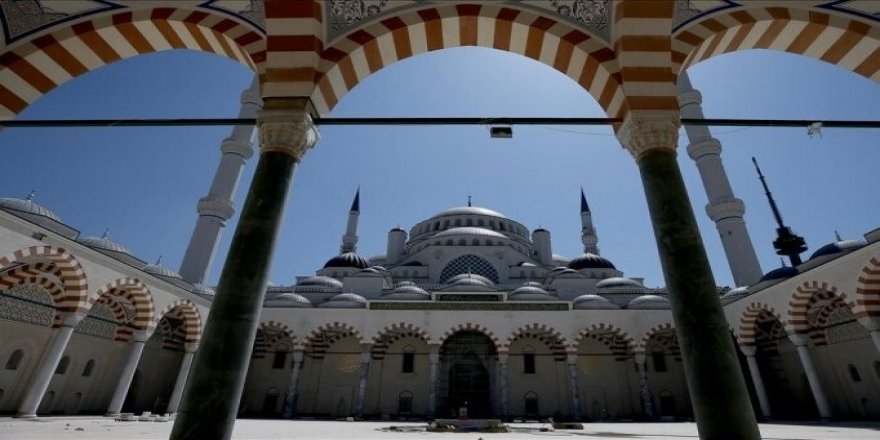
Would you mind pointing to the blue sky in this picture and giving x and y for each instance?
(143, 183)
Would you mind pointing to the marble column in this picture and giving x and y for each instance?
(182, 376)
(749, 351)
(434, 363)
(801, 341)
(366, 356)
(644, 392)
(503, 385)
(875, 336)
(210, 401)
(42, 374)
(710, 360)
(293, 386)
(571, 358)
(135, 349)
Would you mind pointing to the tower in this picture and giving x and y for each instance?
(217, 207)
(723, 208)
(588, 232)
(350, 239)
(787, 243)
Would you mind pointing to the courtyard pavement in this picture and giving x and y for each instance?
(62, 428)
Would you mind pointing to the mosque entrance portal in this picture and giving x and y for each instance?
(467, 361)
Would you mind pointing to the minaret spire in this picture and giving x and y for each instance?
(787, 242)
(350, 239)
(588, 232)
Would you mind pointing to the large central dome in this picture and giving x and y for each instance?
(469, 210)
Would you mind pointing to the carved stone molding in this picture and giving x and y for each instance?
(704, 147)
(639, 135)
(238, 147)
(287, 131)
(690, 97)
(216, 207)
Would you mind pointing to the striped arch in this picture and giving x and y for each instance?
(755, 314)
(63, 52)
(73, 279)
(133, 292)
(806, 298)
(393, 333)
(618, 341)
(467, 326)
(321, 338)
(544, 333)
(188, 313)
(850, 44)
(867, 306)
(367, 49)
(269, 335)
(45, 275)
(665, 335)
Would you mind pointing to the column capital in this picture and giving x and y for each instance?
(290, 131)
(502, 357)
(640, 134)
(366, 353)
(640, 358)
(748, 350)
(191, 347)
(141, 335)
(799, 339)
(298, 356)
(70, 319)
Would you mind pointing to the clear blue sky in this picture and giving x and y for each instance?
(143, 183)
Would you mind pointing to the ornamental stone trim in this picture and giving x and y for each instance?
(690, 97)
(238, 147)
(696, 150)
(287, 131)
(718, 210)
(216, 207)
(638, 134)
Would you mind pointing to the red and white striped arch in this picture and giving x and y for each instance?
(33, 67)
(842, 41)
(129, 291)
(618, 341)
(752, 316)
(185, 310)
(72, 277)
(45, 275)
(367, 49)
(867, 305)
(805, 298)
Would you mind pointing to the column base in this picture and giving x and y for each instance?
(25, 416)
(112, 414)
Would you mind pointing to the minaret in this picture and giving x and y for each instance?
(350, 239)
(787, 243)
(217, 207)
(723, 208)
(588, 232)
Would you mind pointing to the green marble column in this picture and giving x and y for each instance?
(212, 394)
(717, 388)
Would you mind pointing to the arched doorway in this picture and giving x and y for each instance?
(467, 362)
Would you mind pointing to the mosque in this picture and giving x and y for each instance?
(469, 311)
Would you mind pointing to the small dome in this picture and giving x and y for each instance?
(526, 264)
(837, 247)
(530, 291)
(470, 231)
(160, 270)
(734, 294)
(27, 206)
(379, 268)
(780, 273)
(560, 260)
(103, 243)
(649, 302)
(348, 259)
(404, 283)
(320, 281)
(407, 290)
(202, 289)
(289, 299)
(620, 285)
(370, 271)
(345, 301)
(590, 302)
(590, 261)
(470, 278)
(469, 210)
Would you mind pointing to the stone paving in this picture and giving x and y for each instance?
(63, 428)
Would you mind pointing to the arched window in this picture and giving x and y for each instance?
(458, 222)
(475, 242)
(87, 370)
(270, 401)
(469, 264)
(480, 222)
(62, 366)
(15, 359)
(659, 360)
(877, 369)
(470, 222)
(278, 360)
(528, 360)
(462, 242)
(531, 403)
(854, 373)
(409, 359)
(404, 403)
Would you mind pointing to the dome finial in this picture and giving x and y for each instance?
(158, 260)
(584, 206)
(837, 235)
(30, 196)
(782, 260)
(469, 200)
(106, 233)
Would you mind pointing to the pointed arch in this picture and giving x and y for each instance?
(271, 334)
(392, 333)
(544, 333)
(618, 341)
(72, 276)
(867, 303)
(127, 293)
(665, 335)
(190, 330)
(46, 276)
(810, 296)
(322, 337)
(755, 314)
(469, 326)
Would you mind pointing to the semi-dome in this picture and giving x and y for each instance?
(649, 302)
(320, 281)
(780, 273)
(837, 247)
(348, 259)
(289, 299)
(345, 301)
(469, 210)
(735, 294)
(469, 231)
(590, 261)
(592, 302)
(407, 290)
(202, 289)
(27, 206)
(530, 291)
(104, 243)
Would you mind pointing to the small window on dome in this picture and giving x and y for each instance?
(436, 226)
(458, 222)
(448, 242)
(501, 226)
(475, 242)
(469, 222)
(854, 374)
(480, 222)
(462, 242)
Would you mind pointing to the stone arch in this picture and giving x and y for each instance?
(46, 276)
(806, 298)
(618, 341)
(544, 333)
(365, 49)
(835, 39)
(269, 334)
(665, 335)
(393, 333)
(72, 276)
(754, 314)
(64, 49)
(188, 313)
(867, 304)
(322, 337)
(468, 326)
(128, 291)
